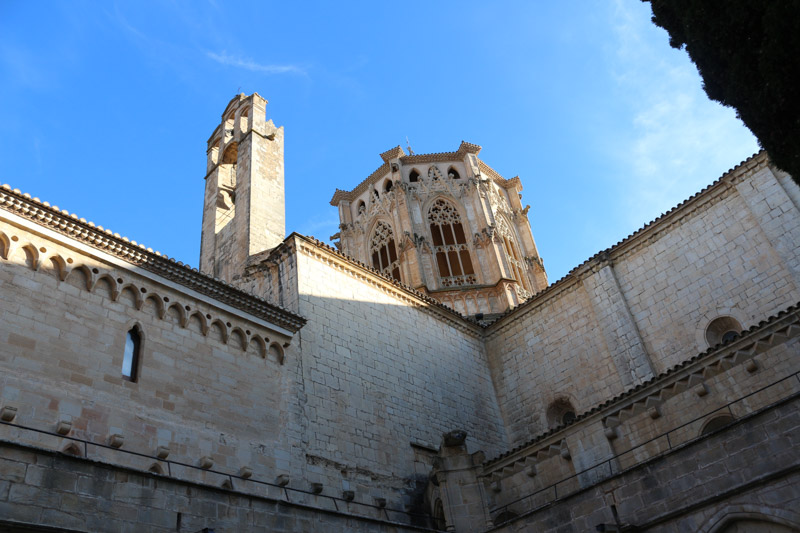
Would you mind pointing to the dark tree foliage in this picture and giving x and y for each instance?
(748, 54)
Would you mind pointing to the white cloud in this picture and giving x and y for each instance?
(248, 64)
(679, 140)
(320, 226)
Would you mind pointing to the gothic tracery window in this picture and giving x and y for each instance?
(450, 245)
(512, 253)
(383, 251)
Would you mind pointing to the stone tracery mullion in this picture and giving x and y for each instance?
(382, 249)
(516, 264)
(443, 215)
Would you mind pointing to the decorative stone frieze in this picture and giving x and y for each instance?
(81, 230)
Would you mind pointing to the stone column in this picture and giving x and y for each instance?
(617, 324)
(459, 488)
(776, 214)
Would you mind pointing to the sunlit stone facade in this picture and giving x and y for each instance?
(288, 385)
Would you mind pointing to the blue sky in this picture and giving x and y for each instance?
(107, 107)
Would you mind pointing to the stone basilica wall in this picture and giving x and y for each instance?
(211, 389)
(712, 440)
(745, 476)
(642, 306)
(352, 403)
(382, 375)
(355, 404)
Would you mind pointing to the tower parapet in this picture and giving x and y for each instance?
(446, 224)
(244, 210)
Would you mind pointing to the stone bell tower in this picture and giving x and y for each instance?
(446, 224)
(243, 210)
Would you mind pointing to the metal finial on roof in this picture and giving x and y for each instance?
(408, 145)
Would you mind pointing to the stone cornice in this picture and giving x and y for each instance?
(80, 230)
(648, 234)
(772, 332)
(440, 157)
(394, 153)
(497, 178)
(470, 288)
(340, 195)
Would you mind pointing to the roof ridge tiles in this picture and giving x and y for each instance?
(237, 297)
(663, 375)
(738, 169)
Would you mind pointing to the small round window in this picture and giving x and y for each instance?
(560, 412)
(722, 330)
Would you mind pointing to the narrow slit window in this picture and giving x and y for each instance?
(130, 361)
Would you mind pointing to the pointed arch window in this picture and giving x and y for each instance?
(514, 257)
(133, 349)
(383, 251)
(450, 245)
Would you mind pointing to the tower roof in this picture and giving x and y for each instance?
(438, 157)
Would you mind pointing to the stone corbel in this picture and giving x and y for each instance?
(422, 244)
(8, 413)
(521, 214)
(534, 261)
(486, 236)
(483, 188)
(407, 242)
